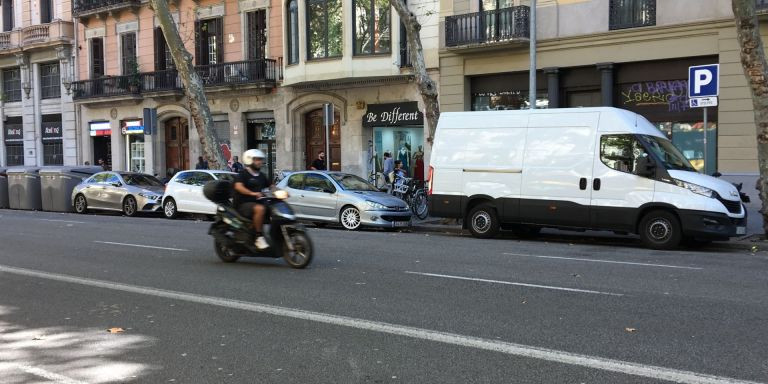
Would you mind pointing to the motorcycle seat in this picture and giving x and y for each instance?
(233, 212)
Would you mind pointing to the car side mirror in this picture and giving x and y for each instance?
(645, 166)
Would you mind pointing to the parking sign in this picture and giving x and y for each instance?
(703, 81)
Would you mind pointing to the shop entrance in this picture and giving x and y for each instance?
(315, 137)
(405, 144)
(102, 149)
(261, 135)
(177, 144)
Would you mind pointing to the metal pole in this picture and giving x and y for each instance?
(706, 171)
(532, 70)
(328, 121)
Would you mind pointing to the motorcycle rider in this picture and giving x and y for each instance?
(248, 186)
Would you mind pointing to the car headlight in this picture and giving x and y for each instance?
(695, 188)
(149, 195)
(374, 206)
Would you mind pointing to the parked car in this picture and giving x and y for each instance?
(184, 192)
(336, 197)
(585, 168)
(127, 192)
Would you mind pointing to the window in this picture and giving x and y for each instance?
(46, 11)
(631, 13)
(13, 128)
(292, 31)
(507, 100)
(98, 178)
(256, 24)
(130, 64)
(296, 181)
(163, 58)
(97, 57)
(209, 42)
(51, 132)
(669, 154)
(324, 28)
(372, 27)
(12, 84)
(53, 153)
(621, 152)
(8, 15)
(201, 178)
(14, 154)
(111, 178)
(318, 183)
(50, 81)
(183, 177)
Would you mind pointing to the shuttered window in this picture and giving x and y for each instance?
(209, 41)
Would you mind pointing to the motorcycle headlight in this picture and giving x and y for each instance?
(281, 194)
(149, 195)
(374, 206)
(695, 188)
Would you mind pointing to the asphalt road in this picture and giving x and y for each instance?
(374, 307)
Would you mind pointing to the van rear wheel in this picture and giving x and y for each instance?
(483, 221)
(661, 230)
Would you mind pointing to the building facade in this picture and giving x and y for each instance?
(631, 54)
(36, 71)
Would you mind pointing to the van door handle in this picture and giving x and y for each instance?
(596, 184)
(583, 183)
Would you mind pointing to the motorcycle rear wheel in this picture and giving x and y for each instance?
(301, 255)
(224, 253)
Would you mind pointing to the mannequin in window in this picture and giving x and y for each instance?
(404, 157)
(418, 165)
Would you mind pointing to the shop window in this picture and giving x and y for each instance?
(507, 100)
(405, 144)
(8, 15)
(292, 31)
(130, 65)
(324, 28)
(209, 41)
(136, 153)
(14, 154)
(51, 132)
(50, 81)
(97, 57)
(631, 13)
(372, 26)
(12, 85)
(13, 130)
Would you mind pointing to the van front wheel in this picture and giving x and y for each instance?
(483, 221)
(660, 230)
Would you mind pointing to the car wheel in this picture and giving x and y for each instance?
(483, 221)
(81, 205)
(130, 206)
(169, 208)
(660, 230)
(350, 218)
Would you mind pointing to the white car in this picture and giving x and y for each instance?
(184, 193)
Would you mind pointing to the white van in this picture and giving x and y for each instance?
(585, 168)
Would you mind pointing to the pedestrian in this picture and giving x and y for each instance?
(201, 163)
(319, 163)
(237, 166)
(103, 164)
(389, 166)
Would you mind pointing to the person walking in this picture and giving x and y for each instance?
(237, 166)
(201, 163)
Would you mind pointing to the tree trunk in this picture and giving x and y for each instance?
(754, 64)
(193, 86)
(427, 86)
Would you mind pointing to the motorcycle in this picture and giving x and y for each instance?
(234, 236)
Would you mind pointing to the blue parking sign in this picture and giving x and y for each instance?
(703, 80)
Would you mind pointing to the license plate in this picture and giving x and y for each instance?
(741, 230)
(402, 223)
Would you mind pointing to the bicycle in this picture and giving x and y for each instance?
(414, 195)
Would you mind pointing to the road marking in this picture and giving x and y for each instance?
(516, 284)
(142, 246)
(593, 362)
(65, 221)
(39, 372)
(603, 261)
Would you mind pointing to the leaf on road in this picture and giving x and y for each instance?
(115, 330)
(630, 330)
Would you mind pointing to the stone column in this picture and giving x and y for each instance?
(606, 83)
(553, 86)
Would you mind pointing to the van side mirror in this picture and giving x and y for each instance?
(645, 166)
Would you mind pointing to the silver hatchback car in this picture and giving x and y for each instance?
(128, 192)
(335, 197)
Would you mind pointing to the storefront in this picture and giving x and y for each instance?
(52, 137)
(398, 129)
(261, 134)
(101, 138)
(505, 91)
(134, 144)
(14, 141)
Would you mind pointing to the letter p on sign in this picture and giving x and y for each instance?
(703, 81)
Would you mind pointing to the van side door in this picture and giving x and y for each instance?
(617, 190)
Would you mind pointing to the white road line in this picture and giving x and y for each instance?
(39, 372)
(516, 284)
(65, 221)
(142, 246)
(603, 261)
(593, 362)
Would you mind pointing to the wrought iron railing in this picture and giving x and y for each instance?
(631, 14)
(106, 87)
(159, 81)
(239, 72)
(81, 7)
(505, 24)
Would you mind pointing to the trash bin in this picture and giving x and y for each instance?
(24, 188)
(57, 183)
(3, 189)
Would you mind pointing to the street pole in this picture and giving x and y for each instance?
(706, 171)
(532, 70)
(328, 122)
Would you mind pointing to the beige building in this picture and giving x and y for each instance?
(632, 54)
(36, 111)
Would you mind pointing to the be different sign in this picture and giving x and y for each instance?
(393, 114)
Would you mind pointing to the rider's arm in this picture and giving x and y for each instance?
(241, 189)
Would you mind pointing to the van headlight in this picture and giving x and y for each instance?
(695, 188)
(374, 206)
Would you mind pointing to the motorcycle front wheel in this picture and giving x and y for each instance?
(301, 255)
(224, 253)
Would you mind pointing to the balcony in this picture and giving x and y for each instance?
(262, 73)
(84, 8)
(495, 27)
(5, 40)
(35, 36)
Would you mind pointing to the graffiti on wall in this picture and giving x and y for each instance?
(670, 93)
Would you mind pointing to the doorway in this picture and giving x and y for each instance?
(102, 149)
(315, 138)
(177, 144)
(261, 135)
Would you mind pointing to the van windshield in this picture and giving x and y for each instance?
(669, 154)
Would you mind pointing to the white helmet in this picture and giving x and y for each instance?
(251, 154)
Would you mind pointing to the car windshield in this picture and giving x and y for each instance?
(353, 183)
(142, 180)
(668, 153)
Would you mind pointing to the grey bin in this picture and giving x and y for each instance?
(3, 189)
(57, 183)
(24, 188)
